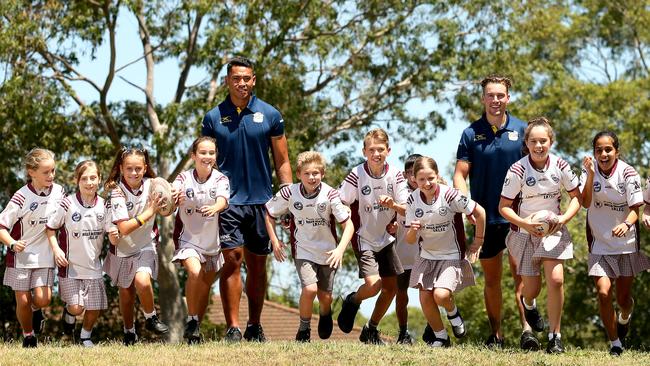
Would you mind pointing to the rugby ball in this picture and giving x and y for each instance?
(159, 187)
(547, 219)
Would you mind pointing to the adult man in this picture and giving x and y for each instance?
(246, 128)
(486, 150)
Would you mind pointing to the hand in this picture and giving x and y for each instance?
(620, 230)
(588, 164)
(209, 210)
(386, 201)
(155, 202)
(278, 251)
(392, 227)
(532, 229)
(646, 221)
(285, 221)
(415, 225)
(335, 257)
(179, 196)
(59, 257)
(474, 249)
(114, 236)
(19, 246)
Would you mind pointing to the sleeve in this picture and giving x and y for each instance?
(55, 221)
(10, 215)
(633, 193)
(179, 181)
(278, 205)
(277, 124)
(348, 190)
(108, 224)
(401, 189)
(513, 182)
(410, 211)
(646, 192)
(207, 128)
(119, 212)
(459, 202)
(223, 187)
(464, 151)
(569, 178)
(340, 211)
(583, 180)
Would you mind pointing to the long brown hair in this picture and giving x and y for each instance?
(537, 122)
(114, 176)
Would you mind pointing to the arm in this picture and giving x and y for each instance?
(621, 229)
(388, 201)
(211, 210)
(59, 256)
(412, 232)
(505, 209)
(461, 173)
(646, 216)
(126, 227)
(479, 234)
(18, 245)
(281, 161)
(335, 256)
(278, 246)
(572, 210)
(588, 188)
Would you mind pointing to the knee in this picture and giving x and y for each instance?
(194, 274)
(604, 294)
(493, 282)
(310, 291)
(374, 285)
(41, 301)
(75, 309)
(233, 258)
(325, 297)
(555, 282)
(441, 295)
(389, 289)
(142, 284)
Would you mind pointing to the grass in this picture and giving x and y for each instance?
(284, 353)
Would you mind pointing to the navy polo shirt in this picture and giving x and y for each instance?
(243, 143)
(490, 156)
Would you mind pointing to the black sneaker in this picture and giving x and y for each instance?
(130, 339)
(428, 336)
(528, 341)
(404, 337)
(555, 345)
(30, 341)
(623, 329)
(325, 325)
(154, 324)
(38, 321)
(68, 328)
(459, 330)
(616, 351)
(303, 335)
(533, 318)
(233, 335)
(494, 342)
(348, 313)
(370, 336)
(440, 342)
(192, 332)
(254, 333)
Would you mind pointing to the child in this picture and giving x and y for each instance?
(611, 191)
(314, 206)
(535, 182)
(375, 192)
(81, 220)
(434, 222)
(407, 254)
(204, 192)
(132, 262)
(30, 264)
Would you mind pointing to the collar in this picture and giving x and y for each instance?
(251, 106)
(82, 202)
(436, 193)
(196, 176)
(607, 176)
(367, 169)
(532, 165)
(136, 192)
(505, 127)
(40, 192)
(303, 191)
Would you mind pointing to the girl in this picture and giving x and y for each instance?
(535, 182)
(203, 192)
(132, 262)
(314, 206)
(29, 259)
(434, 222)
(611, 191)
(81, 220)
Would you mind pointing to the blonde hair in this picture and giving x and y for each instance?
(310, 157)
(34, 158)
(81, 168)
(537, 122)
(378, 135)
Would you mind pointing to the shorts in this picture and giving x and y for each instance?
(452, 274)
(243, 225)
(403, 280)
(384, 263)
(617, 265)
(310, 273)
(209, 263)
(495, 240)
(529, 251)
(122, 270)
(90, 293)
(25, 279)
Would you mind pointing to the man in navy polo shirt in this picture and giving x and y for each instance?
(487, 148)
(246, 128)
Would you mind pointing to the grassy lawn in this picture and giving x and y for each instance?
(316, 353)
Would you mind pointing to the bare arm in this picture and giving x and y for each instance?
(335, 257)
(412, 232)
(280, 152)
(460, 175)
(5, 237)
(278, 246)
(505, 209)
(588, 188)
(59, 256)
(479, 234)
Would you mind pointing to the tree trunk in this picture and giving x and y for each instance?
(170, 297)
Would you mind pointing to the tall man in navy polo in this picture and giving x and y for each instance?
(487, 148)
(246, 128)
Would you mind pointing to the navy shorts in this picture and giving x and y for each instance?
(495, 240)
(244, 226)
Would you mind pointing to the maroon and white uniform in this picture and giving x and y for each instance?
(361, 191)
(312, 217)
(406, 252)
(646, 192)
(125, 205)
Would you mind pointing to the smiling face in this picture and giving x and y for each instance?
(538, 143)
(43, 176)
(426, 179)
(205, 157)
(240, 81)
(132, 170)
(605, 153)
(310, 174)
(88, 182)
(495, 99)
(376, 153)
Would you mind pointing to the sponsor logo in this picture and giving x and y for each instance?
(213, 193)
(506, 182)
(322, 207)
(636, 186)
(368, 208)
(300, 222)
(419, 212)
(530, 181)
(76, 217)
(597, 187)
(555, 178)
(463, 200)
(297, 205)
(189, 193)
(225, 237)
(389, 188)
(116, 206)
(33, 206)
(32, 222)
(275, 198)
(598, 204)
(226, 119)
(480, 137)
(366, 190)
(443, 211)
(513, 135)
(129, 205)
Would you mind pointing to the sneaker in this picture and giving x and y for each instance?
(428, 336)
(348, 313)
(533, 318)
(303, 335)
(623, 329)
(404, 337)
(440, 342)
(68, 328)
(615, 351)
(528, 341)
(30, 341)
(459, 330)
(38, 321)
(254, 333)
(494, 342)
(154, 324)
(192, 332)
(555, 345)
(370, 336)
(233, 335)
(130, 339)
(86, 342)
(325, 325)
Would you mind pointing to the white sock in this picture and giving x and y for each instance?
(616, 343)
(623, 321)
(457, 320)
(85, 334)
(132, 330)
(530, 307)
(442, 334)
(557, 335)
(149, 315)
(69, 318)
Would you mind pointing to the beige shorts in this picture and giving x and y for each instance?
(310, 273)
(384, 263)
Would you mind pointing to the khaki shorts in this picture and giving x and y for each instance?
(310, 273)
(384, 263)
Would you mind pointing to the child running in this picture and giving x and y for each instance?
(30, 263)
(611, 192)
(204, 192)
(132, 263)
(314, 206)
(375, 192)
(434, 221)
(532, 184)
(81, 220)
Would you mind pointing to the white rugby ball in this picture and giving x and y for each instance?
(159, 187)
(547, 219)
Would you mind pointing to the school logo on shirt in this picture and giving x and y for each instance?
(76, 217)
(598, 204)
(366, 190)
(513, 135)
(463, 200)
(188, 211)
(129, 205)
(530, 181)
(258, 117)
(213, 193)
(100, 217)
(555, 178)
(419, 212)
(189, 193)
(389, 188)
(621, 187)
(76, 234)
(33, 206)
(297, 205)
(322, 207)
(597, 187)
(443, 211)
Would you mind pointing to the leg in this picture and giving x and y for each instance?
(90, 318)
(75, 309)
(192, 286)
(624, 295)
(206, 281)
(430, 310)
(388, 290)
(42, 296)
(371, 287)
(127, 301)
(532, 285)
(554, 273)
(255, 285)
(143, 288)
(605, 305)
(325, 302)
(24, 310)
(401, 307)
(492, 294)
(307, 297)
(230, 285)
(519, 285)
(442, 297)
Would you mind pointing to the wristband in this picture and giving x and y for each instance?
(629, 224)
(11, 246)
(139, 220)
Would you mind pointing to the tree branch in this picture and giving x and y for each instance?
(189, 61)
(145, 38)
(103, 94)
